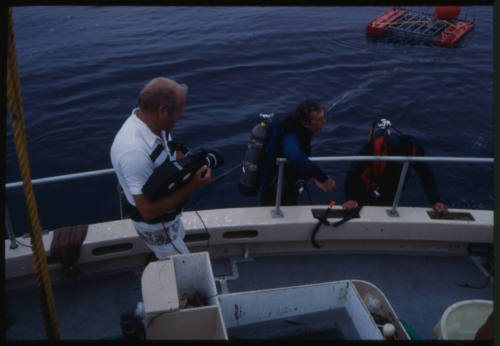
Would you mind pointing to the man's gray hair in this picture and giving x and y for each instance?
(160, 92)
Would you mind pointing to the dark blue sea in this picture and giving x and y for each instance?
(81, 69)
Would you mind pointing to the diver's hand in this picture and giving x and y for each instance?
(328, 185)
(440, 208)
(201, 177)
(349, 205)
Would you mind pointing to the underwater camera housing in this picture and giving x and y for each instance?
(171, 175)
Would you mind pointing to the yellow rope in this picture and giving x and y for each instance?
(14, 101)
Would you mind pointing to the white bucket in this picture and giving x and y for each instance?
(462, 320)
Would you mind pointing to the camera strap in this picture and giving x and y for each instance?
(154, 155)
(135, 215)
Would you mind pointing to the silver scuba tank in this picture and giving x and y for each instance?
(250, 171)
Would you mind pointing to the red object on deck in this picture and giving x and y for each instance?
(377, 27)
(453, 34)
(447, 12)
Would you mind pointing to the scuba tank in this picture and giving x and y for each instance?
(250, 172)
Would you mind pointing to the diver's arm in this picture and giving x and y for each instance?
(299, 159)
(328, 185)
(426, 176)
(353, 189)
(428, 181)
(153, 209)
(429, 185)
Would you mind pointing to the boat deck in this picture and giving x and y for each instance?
(418, 287)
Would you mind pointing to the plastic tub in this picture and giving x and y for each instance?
(462, 320)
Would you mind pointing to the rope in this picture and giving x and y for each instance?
(14, 101)
(205, 227)
(219, 177)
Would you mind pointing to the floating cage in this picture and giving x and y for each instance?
(409, 26)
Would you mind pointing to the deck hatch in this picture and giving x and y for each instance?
(332, 213)
(451, 216)
(240, 234)
(106, 250)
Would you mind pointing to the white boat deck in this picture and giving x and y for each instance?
(418, 288)
(417, 267)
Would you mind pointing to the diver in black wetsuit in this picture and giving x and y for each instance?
(294, 143)
(376, 182)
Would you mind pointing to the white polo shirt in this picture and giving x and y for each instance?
(130, 154)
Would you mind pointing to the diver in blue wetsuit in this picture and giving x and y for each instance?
(294, 143)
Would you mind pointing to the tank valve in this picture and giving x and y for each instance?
(267, 117)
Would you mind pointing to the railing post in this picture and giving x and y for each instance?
(277, 212)
(393, 211)
(10, 229)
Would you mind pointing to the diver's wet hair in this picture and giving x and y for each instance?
(304, 110)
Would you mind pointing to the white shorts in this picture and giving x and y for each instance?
(164, 239)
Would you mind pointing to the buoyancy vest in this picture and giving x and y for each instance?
(132, 210)
(372, 175)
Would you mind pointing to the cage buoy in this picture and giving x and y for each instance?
(447, 12)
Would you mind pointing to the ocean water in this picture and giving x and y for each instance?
(81, 69)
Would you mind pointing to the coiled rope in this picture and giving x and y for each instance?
(14, 101)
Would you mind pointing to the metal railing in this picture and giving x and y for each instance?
(8, 224)
(277, 212)
(62, 178)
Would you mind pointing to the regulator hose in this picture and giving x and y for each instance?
(322, 220)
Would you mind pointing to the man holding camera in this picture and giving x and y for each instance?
(144, 143)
